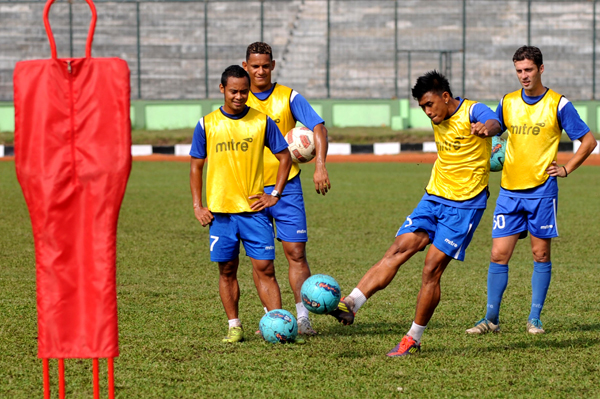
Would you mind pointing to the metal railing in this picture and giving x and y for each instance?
(177, 49)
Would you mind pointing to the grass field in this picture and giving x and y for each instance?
(171, 318)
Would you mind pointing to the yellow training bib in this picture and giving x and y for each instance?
(533, 137)
(234, 152)
(277, 106)
(462, 169)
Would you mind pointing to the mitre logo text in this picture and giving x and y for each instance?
(233, 145)
(527, 129)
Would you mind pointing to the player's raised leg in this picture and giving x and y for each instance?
(229, 291)
(299, 271)
(381, 274)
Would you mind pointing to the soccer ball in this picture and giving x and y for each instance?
(320, 293)
(278, 326)
(301, 143)
(498, 154)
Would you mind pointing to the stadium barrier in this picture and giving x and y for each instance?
(398, 114)
(334, 149)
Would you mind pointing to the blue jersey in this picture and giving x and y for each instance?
(301, 109)
(569, 121)
(273, 138)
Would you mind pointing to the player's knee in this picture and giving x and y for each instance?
(500, 256)
(540, 255)
(432, 272)
(228, 269)
(296, 254)
(264, 268)
(410, 243)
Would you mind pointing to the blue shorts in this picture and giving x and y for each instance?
(290, 218)
(449, 228)
(253, 229)
(515, 215)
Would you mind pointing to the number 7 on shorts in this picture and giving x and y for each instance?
(212, 244)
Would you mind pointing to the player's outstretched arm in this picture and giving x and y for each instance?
(588, 143)
(488, 129)
(268, 200)
(321, 177)
(203, 215)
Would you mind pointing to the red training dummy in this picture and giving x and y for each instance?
(73, 158)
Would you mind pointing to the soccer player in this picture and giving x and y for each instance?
(534, 117)
(448, 213)
(285, 106)
(232, 138)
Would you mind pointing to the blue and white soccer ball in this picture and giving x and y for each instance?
(498, 154)
(321, 293)
(278, 326)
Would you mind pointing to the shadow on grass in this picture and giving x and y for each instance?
(359, 329)
(587, 327)
(533, 342)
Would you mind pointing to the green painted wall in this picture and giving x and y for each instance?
(345, 115)
(418, 119)
(172, 116)
(398, 114)
(7, 117)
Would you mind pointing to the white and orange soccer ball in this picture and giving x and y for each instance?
(301, 143)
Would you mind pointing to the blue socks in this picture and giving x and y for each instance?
(540, 281)
(496, 284)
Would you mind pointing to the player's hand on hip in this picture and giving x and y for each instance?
(263, 201)
(321, 180)
(478, 129)
(555, 170)
(204, 216)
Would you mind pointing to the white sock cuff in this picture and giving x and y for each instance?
(416, 331)
(301, 310)
(235, 323)
(359, 299)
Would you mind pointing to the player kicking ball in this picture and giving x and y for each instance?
(233, 139)
(448, 213)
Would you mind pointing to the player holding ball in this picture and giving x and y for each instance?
(286, 106)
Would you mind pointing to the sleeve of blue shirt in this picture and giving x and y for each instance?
(199, 141)
(571, 122)
(482, 113)
(303, 112)
(274, 140)
(500, 117)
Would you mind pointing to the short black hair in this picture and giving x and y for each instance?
(432, 81)
(234, 71)
(259, 48)
(531, 53)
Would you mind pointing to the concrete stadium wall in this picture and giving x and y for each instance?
(397, 114)
(335, 49)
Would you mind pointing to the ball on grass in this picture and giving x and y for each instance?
(278, 326)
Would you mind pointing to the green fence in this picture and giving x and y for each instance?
(324, 48)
